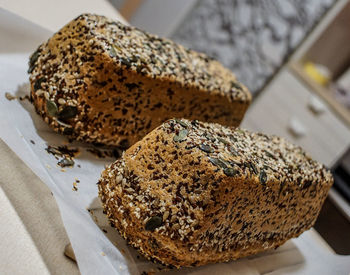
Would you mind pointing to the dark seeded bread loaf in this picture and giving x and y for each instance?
(191, 193)
(99, 81)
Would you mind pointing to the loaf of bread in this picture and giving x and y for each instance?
(100, 81)
(191, 193)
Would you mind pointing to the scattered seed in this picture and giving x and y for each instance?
(32, 142)
(66, 162)
(10, 96)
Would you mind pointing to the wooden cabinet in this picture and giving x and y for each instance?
(286, 100)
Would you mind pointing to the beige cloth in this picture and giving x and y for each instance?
(32, 235)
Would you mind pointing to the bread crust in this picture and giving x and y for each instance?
(100, 81)
(211, 195)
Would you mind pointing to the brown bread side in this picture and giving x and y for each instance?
(191, 193)
(100, 81)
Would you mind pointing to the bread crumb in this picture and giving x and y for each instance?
(10, 96)
(75, 186)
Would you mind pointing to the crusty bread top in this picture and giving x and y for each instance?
(239, 152)
(143, 53)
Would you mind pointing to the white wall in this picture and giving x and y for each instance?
(161, 16)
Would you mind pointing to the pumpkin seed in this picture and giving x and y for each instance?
(66, 162)
(112, 52)
(217, 162)
(33, 58)
(230, 172)
(252, 167)
(181, 135)
(68, 112)
(37, 84)
(206, 148)
(153, 223)
(51, 108)
(183, 124)
(263, 177)
(68, 131)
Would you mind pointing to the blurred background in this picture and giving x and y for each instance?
(294, 56)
